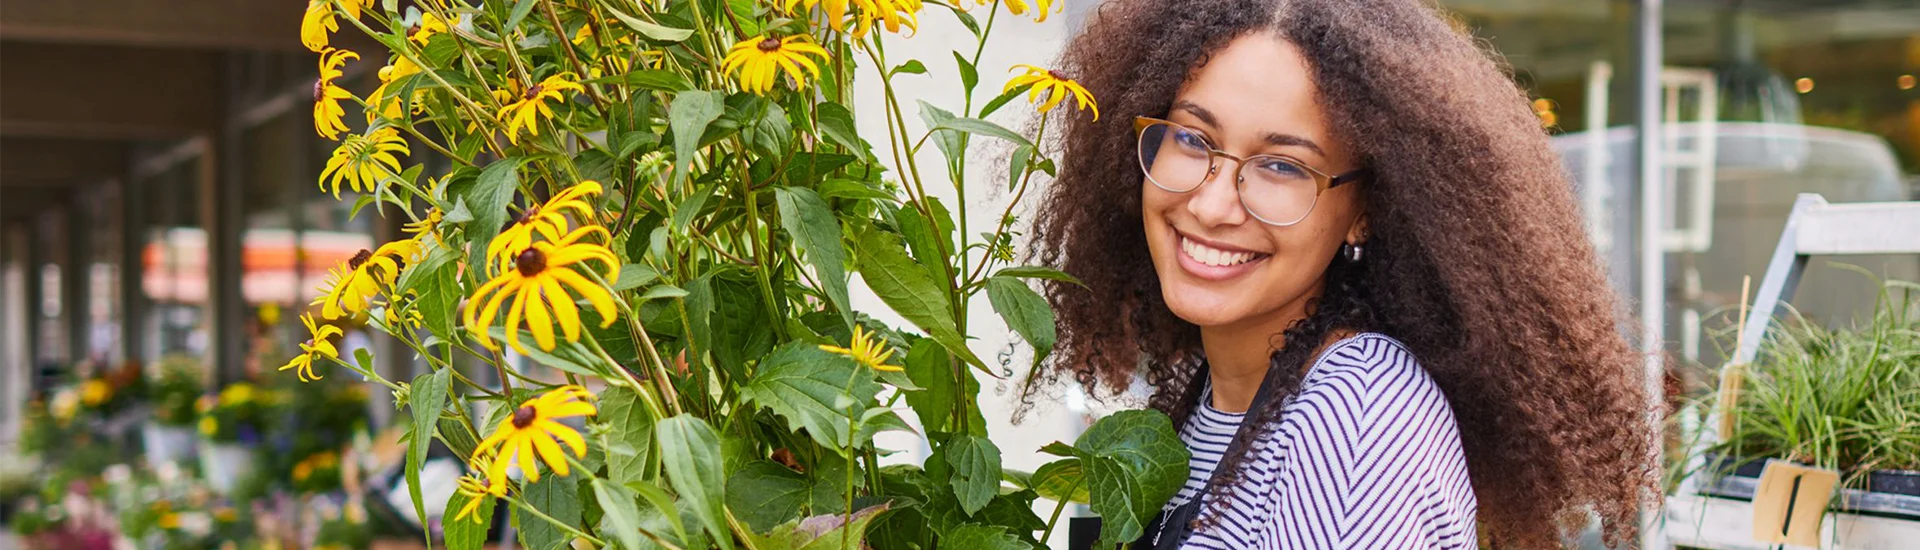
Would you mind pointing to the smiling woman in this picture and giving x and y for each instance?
(1351, 268)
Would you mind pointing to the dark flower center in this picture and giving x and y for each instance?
(769, 45)
(530, 262)
(523, 416)
(1056, 75)
(359, 259)
(532, 91)
(413, 30)
(319, 89)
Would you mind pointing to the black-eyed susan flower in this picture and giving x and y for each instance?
(319, 344)
(387, 101)
(549, 220)
(537, 285)
(892, 14)
(428, 227)
(1019, 7)
(362, 160)
(95, 392)
(318, 23)
(350, 288)
(531, 434)
(757, 62)
(531, 106)
(1055, 86)
(477, 493)
(327, 112)
(866, 350)
(430, 25)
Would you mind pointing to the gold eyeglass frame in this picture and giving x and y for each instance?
(1322, 181)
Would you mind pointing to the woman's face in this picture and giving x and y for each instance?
(1218, 265)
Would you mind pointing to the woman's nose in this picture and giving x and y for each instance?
(1217, 201)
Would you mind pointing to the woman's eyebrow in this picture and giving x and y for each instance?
(1272, 138)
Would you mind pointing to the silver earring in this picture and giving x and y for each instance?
(1352, 252)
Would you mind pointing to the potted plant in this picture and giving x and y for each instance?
(231, 424)
(1846, 399)
(664, 204)
(169, 435)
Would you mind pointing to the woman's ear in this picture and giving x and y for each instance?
(1357, 232)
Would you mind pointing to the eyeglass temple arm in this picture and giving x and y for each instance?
(1343, 179)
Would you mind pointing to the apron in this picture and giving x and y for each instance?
(1170, 528)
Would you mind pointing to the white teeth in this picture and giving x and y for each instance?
(1213, 256)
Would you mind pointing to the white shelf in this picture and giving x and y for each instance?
(1727, 524)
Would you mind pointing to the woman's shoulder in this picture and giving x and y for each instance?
(1371, 357)
(1374, 377)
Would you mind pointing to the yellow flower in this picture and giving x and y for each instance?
(65, 405)
(350, 290)
(760, 59)
(866, 351)
(302, 471)
(1055, 85)
(1019, 7)
(169, 521)
(891, 13)
(549, 220)
(532, 105)
(316, 24)
(530, 435)
(327, 111)
(400, 312)
(538, 281)
(363, 159)
(95, 391)
(477, 493)
(238, 394)
(389, 103)
(226, 514)
(208, 426)
(428, 226)
(319, 343)
(430, 25)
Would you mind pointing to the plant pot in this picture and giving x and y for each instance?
(1899, 482)
(1725, 465)
(168, 443)
(225, 465)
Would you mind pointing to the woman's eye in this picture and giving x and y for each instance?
(1189, 139)
(1281, 169)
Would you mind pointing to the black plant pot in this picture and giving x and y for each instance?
(1719, 464)
(1899, 482)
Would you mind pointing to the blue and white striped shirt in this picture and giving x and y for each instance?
(1366, 455)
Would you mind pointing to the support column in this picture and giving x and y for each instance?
(36, 255)
(76, 276)
(220, 173)
(1652, 268)
(133, 267)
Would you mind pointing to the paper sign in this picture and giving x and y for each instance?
(1790, 501)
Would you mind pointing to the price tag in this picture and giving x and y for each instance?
(1790, 501)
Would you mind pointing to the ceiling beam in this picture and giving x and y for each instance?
(107, 92)
(209, 24)
(24, 161)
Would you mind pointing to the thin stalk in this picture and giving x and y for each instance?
(1058, 506)
(566, 44)
(522, 505)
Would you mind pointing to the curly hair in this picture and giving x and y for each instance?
(1476, 257)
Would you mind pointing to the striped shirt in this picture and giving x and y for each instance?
(1366, 455)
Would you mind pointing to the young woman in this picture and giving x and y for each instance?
(1334, 237)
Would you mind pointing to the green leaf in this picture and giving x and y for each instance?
(1064, 479)
(566, 356)
(772, 133)
(650, 30)
(823, 532)
(617, 503)
(458, 436)
(912, 66)
(629, 434)
(836, 124)
(813, 390)
(850, 189)
(976, 470)
(1025, 312)
(930, 239)
(974, 536)
(953, 145)
(926, 366)
(662, 503)
(469, 533)
(519, 13)
(985, 128)
(969, 77)
(488, 199)
(1134, 462)
(659, 292)
(438, 297)
(652, 79)
(817, 233)
(689, 208)
(1002, 99)
(634, 276)
(690, 451)
(689, 116)
(460, 213)
(765, 494)
(1035, 272)
(426, 397)
(909, 291)
(558, 497)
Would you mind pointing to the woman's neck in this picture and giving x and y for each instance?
(1238, 355)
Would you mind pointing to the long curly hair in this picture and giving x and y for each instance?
(1476, 257)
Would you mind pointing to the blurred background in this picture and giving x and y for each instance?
(159, 215)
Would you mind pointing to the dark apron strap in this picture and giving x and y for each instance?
(1170, 528)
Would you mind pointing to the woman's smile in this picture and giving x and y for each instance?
(1215, 261)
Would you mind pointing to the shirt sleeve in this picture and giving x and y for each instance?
(1376, 460)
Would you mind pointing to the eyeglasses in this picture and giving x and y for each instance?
(1275, 189)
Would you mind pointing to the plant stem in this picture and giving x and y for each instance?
(1058, 506)
(556, 523)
